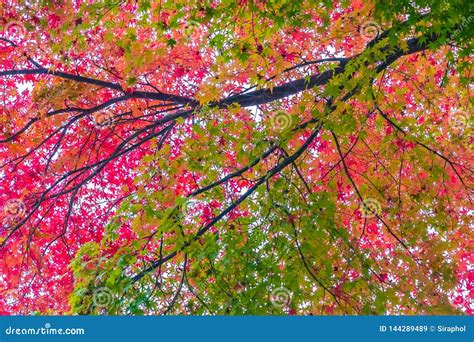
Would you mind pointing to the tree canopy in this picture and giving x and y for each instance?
(236, 157)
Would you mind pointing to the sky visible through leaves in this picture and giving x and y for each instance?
(236, 157)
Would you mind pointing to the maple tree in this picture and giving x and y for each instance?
(236, 157)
